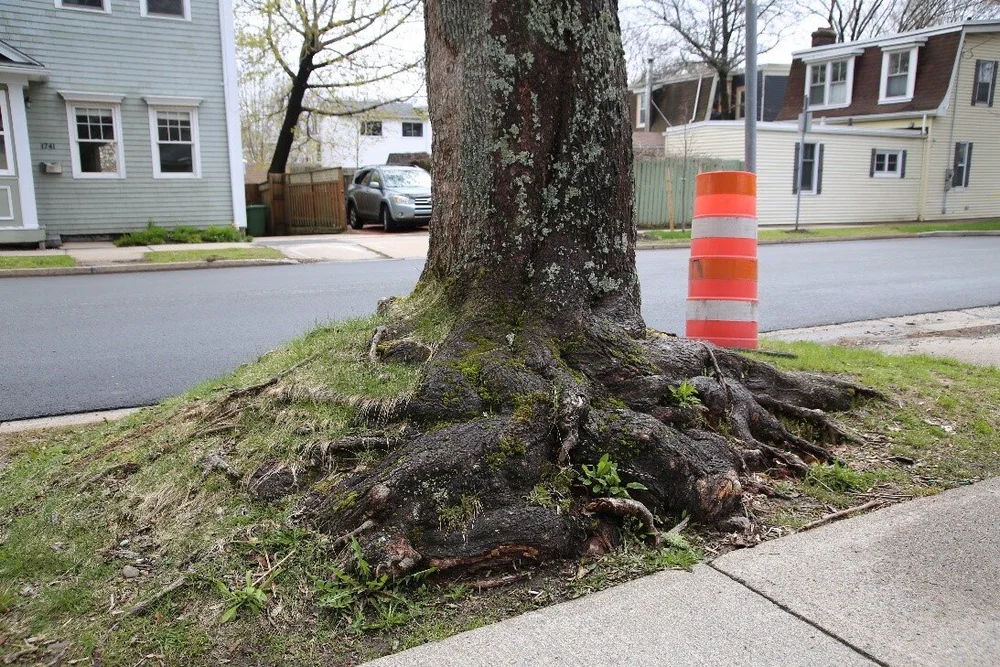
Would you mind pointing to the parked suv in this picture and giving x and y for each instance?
(390, 195)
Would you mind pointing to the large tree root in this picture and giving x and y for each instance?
(499, 427)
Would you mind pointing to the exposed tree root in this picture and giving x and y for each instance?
(482, 477)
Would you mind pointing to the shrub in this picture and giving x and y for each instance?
(219, 234)
(152, 235)
(184, 235)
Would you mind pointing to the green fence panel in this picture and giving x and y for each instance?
(664, 189)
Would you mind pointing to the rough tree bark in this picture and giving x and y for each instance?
(548, 363)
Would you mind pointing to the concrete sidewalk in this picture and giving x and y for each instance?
(913, 584)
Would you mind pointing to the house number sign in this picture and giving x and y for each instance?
(48, 147)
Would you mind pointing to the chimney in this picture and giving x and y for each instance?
(824, 36)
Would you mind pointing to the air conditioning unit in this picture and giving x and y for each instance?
(51, 167)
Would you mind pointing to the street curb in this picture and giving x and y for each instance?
(142, 268)
(663, 245)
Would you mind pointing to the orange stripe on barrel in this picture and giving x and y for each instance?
(727, 205)
(727, 247)
(722, 268)
(726, 183)
(713, 330)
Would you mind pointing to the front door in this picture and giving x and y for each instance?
(10, 209)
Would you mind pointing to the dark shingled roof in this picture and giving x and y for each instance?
(935, 61)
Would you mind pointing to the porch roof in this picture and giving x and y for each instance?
(13, 61)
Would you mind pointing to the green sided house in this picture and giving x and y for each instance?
(115, 113)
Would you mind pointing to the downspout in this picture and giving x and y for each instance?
(649, 94)
(927, 131)
(697, 97)
(953, 104)
(711, 96)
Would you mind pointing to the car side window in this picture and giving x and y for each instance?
(364, 177)
(376, 178)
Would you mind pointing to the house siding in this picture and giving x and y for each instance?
(344, 146)
(123, 53)
(848, 195)
(977, 124)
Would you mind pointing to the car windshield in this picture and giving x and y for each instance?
(401, 178)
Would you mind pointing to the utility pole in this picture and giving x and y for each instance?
(750, 89)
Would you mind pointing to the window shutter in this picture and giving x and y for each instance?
(902, 164)
(819, 169)
(871, 167)
(955, 182)
(968, 164)
(993, 85)
(975, 81)
(795, 170)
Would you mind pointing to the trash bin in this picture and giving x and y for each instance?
(256, 219)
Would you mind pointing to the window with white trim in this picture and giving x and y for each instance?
(176, 151)
(641, 110)
(887, 164)
(171, 9)
(95, 135)
(88, 5)
(962, 165)
(830, 83)
(899, 70)
(985, 82)
(413, 129)
(811, 179)
(6, 149)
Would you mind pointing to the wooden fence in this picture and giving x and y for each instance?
(664, 189)
(310, 202)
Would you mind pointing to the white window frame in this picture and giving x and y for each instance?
(10, 202)
(965, 166)
(911, 76)
(144, 12)
(106, 7)
(828, 65)
(100, 101)
(184, 105)
(7, 136)
(815, 166)
(364, 124)
(995, 64)
(898, 173)
(641, 109)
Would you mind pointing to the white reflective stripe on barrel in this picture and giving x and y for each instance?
(727, 310)
(737, 228)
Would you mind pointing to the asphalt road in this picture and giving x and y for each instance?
(77, 343)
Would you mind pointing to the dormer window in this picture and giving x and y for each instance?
(830, 84)
(898, 76)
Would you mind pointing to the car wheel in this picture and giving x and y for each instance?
(385, 217)
(352, 217)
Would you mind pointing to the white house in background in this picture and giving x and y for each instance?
(904, 128)
(370, 136)
(117, 112)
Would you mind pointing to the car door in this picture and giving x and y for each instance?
(374, 193)
(366, 195)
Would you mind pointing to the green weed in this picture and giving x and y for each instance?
(603, 479)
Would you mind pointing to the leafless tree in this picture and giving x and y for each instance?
(858, 19)
(326, 48)
(708, 32)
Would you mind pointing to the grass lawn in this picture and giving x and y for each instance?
(79, 505)
(870, 231)
(36, 262)
(255, 252)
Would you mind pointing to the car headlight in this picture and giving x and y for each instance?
(402, 199)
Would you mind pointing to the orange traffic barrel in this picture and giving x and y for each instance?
(722, 273)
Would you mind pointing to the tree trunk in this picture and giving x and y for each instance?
(293, 110)
(529, 311)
